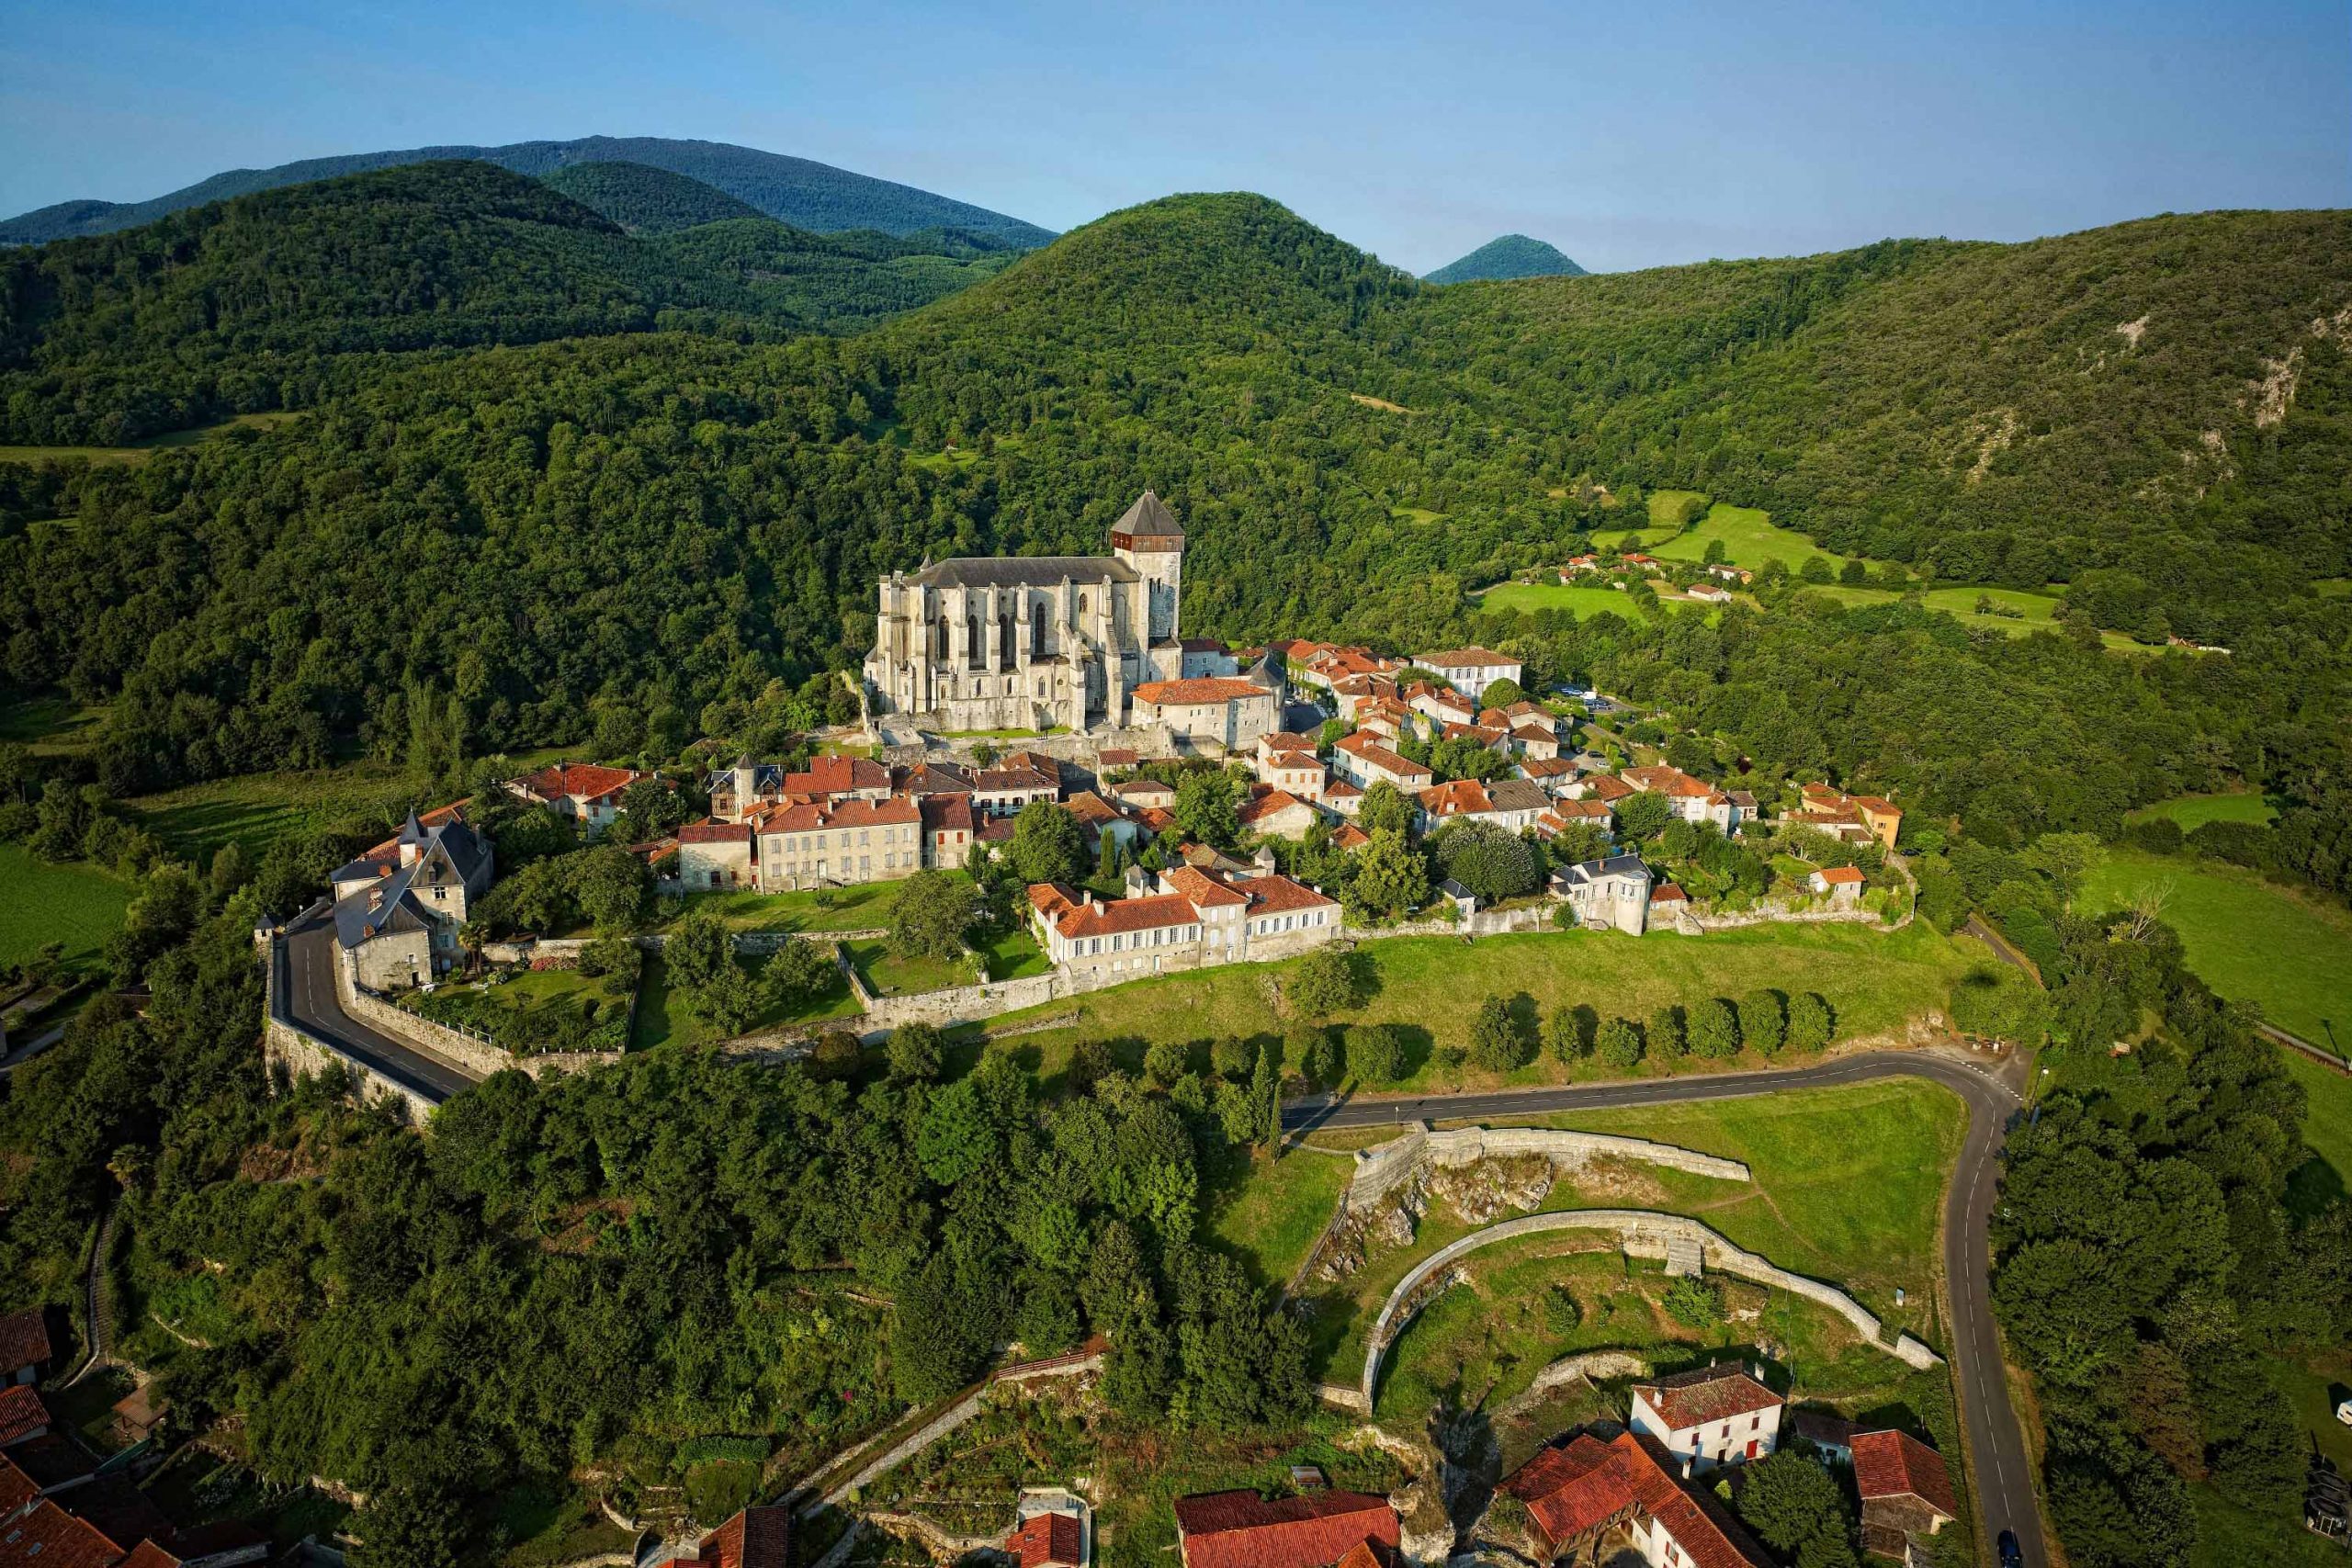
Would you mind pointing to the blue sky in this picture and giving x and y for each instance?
(1629, 133)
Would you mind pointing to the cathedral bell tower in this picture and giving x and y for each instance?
(1149, 539)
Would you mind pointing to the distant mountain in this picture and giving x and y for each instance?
(274, 299)
(1514, 256)
(815, 196)
(647, 200)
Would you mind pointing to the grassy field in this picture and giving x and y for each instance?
(2248, 939)
(1014, 955)
(1845, 1186)
(888, 973)
(2036, 612)
(2193, 811)
(547, 1010)
(862, 907)
(1875, 981)
(40, 903)
(50, 723)
(139, 451)
(2231, 1537)
(1268, 1212)
(2327, 1126)
(1526, 598)
(1749, 539)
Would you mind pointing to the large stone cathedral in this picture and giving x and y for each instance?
(1028, 642)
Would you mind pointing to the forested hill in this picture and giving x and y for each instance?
(807, 194)
(290, 297)
(1512, 255)
(644, 199)
(628, 539)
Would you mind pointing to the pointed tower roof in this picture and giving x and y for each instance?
(1147, 515)
(412, 830)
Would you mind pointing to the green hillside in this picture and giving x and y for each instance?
(643, 199)
(1512, 255)
(274, 300)
(805, 195)
(607, 538)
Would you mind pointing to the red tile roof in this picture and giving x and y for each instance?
(21, 1413)
(147, 1554)
(1260, 806)
(24, 1339)
(804, 816)
(48, 1537)
(1350, 837)
(1463, 658)
(1574, 1490)
(1485, 734)
(1241, 1529)
(947, 813)
(1547, 767)
(1838, 875)
(756, 1538)
(714, 833)
(1046, 1539)
(1277, 895)
(1600, 786)
(1204, 890)
(17, 1489)
(1668, 893)
(1200, 689)
(1709, 1394)
(1117, 757)
(1092, 810)
(1593, 809)
(1158, 910)
(1368, 747)
(1015, 778)
(577, 781)
(837, 775)
(1665, 781)
(1461, 797)
(1896, 1464)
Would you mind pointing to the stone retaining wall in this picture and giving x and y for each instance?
(948, 1420)
(472, 1056)
(302, 1052)
(1642, 1233)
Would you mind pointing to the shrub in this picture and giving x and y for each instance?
(1810, 1024)
(1163, 1063)
(835, 1055)
(1567, 1033)
(1326, 981)
(1561, 1313)
(1665, 1033)
(915, 1052)
(1496, 1041)
(1693, 1303)
(1617, 1043)
(2157, 835)
(1232, 1058)
(1376, 1053)
(1762, 1022)
(1713, 1029)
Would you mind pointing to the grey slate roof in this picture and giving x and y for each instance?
(1518, 794)
(1149, 515)
(1615, 865)
(397, 910)
(1023, 572)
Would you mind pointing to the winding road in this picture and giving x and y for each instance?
(2004, 1469)
(303, 993)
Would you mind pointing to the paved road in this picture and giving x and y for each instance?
(2004, 1496)
(306, 995)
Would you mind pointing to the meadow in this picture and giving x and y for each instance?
(140, 451)
(1749, 538)
(2193, 811)
(2249, 938)
(75, 904)
(1528, 598)
(1875, 981)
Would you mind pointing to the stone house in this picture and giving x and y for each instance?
(1288, 762)
(1340, 797)
(1858, 818)
(1709, 593)
(1097, 817)
(754, 1538)
(1470, 670)
(1583, 1492)
(948, 832)
(397, 917)
(590, 795)
(1564, 814)
(1456, 801)
(1529, 738)
(1711, 1416)
(738, 790)
(1493, 738)
(1003, 791)
(1555, 775)
(1905, 1491)
(1363, 761)
(1613, 893)
(828, 779)
(1692, 799)
(1518, 804)
(1196, 917)
(1441, 704)
(806, 844)
(1146, 794)
(1843, 883)
(715, 856)
(1226, 712)
(1276, 814)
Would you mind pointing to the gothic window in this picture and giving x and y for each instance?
(1005, 645)
(1081, 606)
(973, 651)
(1037, 637)
(941, 650)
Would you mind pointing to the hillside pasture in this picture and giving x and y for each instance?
(1749, 538)
(77, 905)
(2193, 811)
(2250, 939)
(1528, 598)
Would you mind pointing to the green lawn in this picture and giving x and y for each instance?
(49, 724)
(40, 903)
(1268, 1212)
(2231, 1537)
(862, 907)
(2327, 1125)
(2248, 939)
(1875, 981)
(546, 1010)
(1750, 538)
(2193, 811)
(1526, 598)
(662, 1018)
(888, 973)
(1014, 955)
(2036, 610)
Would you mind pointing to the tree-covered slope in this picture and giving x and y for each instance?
(281, 298)
(798, 191)
(646, 200)
(575, 535)
(1511, 255)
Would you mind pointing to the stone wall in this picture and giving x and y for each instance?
(1642, 1233)
(960, 1004)
(299, 1051)
(948, 1420)
(1485, 922)
(475, 1057)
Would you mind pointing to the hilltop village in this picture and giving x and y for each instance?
(1240, 804)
